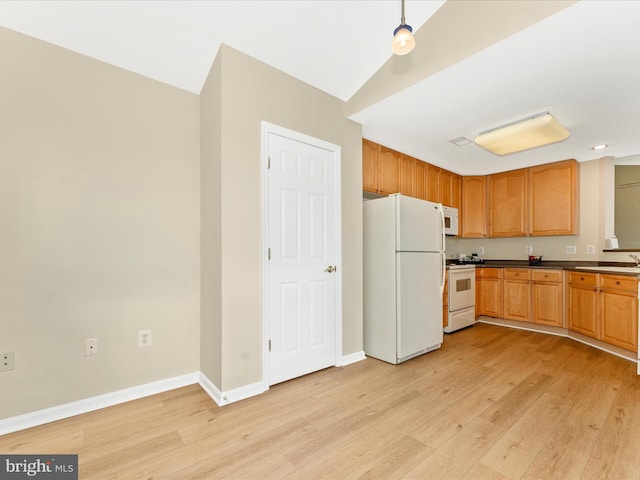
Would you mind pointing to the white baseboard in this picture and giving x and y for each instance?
(230, 396)
(352, 358)
(47, 415)
(40, 417)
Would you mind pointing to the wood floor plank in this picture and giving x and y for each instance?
(569, 447)
(616, 454)
(492, 403)
(515, 450)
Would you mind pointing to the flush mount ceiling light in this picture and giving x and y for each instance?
(536, 131)
(403, 41)
(599, 147)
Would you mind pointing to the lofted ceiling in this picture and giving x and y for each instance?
(580, 63)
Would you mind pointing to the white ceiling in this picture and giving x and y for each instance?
(581, 64)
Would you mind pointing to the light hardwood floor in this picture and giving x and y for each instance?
(493, 403)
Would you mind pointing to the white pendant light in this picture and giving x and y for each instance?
(403, 41)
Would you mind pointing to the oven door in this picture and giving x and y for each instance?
(462, 288)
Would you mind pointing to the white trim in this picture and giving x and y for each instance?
(40, 417)
(230, 396)
(352, 358)
(563, 332)
(268, 128)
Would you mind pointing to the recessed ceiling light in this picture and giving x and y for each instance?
(599, 147)
(460, 141)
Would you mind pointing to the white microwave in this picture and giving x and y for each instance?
(450, 220)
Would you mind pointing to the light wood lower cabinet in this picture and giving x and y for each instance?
(619, 311)
(516, 291)
(546, 297)
(604, 307)
(489, 292)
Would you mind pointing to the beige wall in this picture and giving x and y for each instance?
(99, 214)
(210, 225)
(596, 213)
(252, 92)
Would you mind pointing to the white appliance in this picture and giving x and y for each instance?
(462, 297)
(404, 268)
(450, 220)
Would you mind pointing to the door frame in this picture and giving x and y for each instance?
(267, 129)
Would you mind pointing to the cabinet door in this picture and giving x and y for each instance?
(583, 310)
(407, 184)
(421, 178)
(446, 178)
(489, 297)
(619, 317)
(508, 204)
(389, 171)
(546, 303)
(516, 299)
(473, 215)
(456, 192)
(553, 195)
(433, 181)
(370, 152)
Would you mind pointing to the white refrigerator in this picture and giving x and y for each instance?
(404, 268)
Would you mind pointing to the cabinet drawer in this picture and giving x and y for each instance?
(546, 276)
(517, 274)
(579, 278)
(619, 282)
(488, 272)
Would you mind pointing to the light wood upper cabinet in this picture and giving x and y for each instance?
(456, 191)
(553, 193)
(450, 188)
(508, 204)
(473, 214)
(421, 178)
(446, 179)
(370, 154)
(433, 183)
(390, 171)
(407, 171)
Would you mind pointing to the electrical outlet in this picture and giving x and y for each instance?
(529, 249)
(571, 250)
(144, 338)
(91, 346)
(591, 249)
(7, 361)
(481, 250)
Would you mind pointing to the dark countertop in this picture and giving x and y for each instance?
(549, 264)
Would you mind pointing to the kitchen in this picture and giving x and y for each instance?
(231, 310)
(548, 239)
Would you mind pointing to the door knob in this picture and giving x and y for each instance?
(330, 269)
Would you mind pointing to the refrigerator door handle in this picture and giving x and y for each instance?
(444, 272)
(443, 233)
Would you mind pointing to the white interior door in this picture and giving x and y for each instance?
(301, 279)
